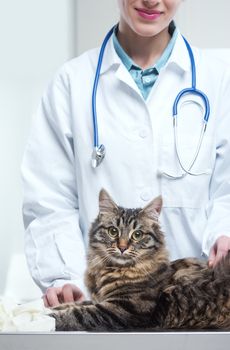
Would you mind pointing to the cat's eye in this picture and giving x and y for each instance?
(137, 235)
(113, 232)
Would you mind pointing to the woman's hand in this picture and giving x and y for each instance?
(68, 293)
(219, 250)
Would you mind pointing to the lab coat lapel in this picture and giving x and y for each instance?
(180, 56)
(178, 63)
(123, 75)
(111, 60)
(173, 77)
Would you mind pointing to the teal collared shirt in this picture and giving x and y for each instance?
(145, 79)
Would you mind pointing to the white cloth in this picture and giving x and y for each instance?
(28, 317)
(61, 188)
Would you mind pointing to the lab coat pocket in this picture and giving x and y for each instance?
(191, 191)
(72, 253)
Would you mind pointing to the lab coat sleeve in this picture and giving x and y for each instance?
(218, 209)
(54, 244)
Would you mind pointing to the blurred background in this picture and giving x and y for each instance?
(36, 37)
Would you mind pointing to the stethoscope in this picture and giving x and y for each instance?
(99, 150)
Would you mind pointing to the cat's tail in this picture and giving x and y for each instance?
(222, 269)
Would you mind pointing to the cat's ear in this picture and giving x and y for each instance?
(153, 209)
(106, 203)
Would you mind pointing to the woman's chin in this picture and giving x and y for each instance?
(146, 30)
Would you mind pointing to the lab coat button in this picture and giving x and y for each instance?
(146, 195)
(143, 133)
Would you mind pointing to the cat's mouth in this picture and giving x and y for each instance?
(122, 259)
(117, 257)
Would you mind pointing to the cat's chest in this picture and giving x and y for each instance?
(108, 284)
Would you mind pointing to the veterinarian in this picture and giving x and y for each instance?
(137, 138)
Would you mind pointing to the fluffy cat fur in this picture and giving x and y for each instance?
(134, 286)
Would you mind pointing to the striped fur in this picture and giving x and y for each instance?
(133, 285)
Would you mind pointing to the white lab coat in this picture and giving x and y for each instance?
(61, 188)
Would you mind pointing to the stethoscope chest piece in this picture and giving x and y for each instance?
(98, 155)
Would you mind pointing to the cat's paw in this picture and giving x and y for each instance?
(59, 319)
(63, 307)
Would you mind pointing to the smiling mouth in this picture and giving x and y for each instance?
(148, 14)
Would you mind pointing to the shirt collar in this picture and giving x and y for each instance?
(161, 62)
(178, 57)
(130, 64)
(127, 61)
(111, 60)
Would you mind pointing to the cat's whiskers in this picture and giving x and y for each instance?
(107, 257)
(97, 260)
(132, 254)
(111, 250)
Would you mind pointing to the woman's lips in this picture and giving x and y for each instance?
(148, 14)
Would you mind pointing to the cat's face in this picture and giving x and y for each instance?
(125, 237)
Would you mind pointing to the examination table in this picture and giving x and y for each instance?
(210, 340)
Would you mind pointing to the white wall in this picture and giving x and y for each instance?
(93, 20)
(204, 22)
(37, 37)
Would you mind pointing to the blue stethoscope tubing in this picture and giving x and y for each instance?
(99, 150)
(193, 89)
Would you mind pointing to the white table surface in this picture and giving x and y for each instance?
(111, 341)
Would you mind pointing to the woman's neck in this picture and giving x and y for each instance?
(144, 51)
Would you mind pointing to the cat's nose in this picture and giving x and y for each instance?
(122, 249)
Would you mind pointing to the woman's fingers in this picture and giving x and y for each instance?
(219, 250)
(52, 296)
(68, 293)
(212, 256)
(71, 293)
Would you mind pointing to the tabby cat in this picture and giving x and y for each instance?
(133, 284)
